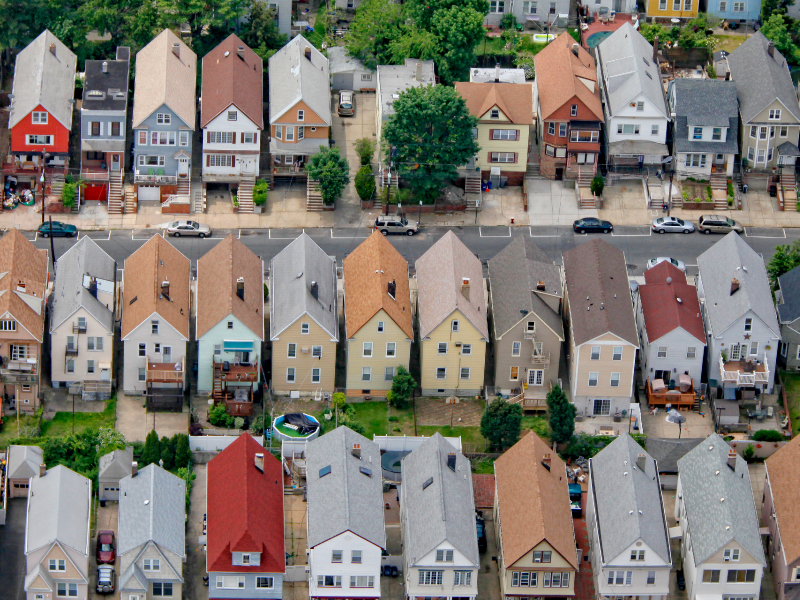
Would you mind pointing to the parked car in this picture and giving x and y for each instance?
(480, 524)
(592, 225)
(106, 549)
(396, 224)
(672, 224)
(179, 228)
(106, 579)
(57, 229)
(347, 103)
(655, 261)
(718, 224)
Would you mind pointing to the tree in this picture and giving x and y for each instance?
(770, 7)
(331, 170)
(403, 385)
(151, 453)
(183, 453)
(132, 22)
(649, 32)
(365, 148)
(501, 423)
(376, 25)
(786, 258)
(775, 29)
(459, 30)
(432, 133)
(365, 183)
(260, 32)
(597, 185)
(562, 415)
(208, 20)
(168, 453)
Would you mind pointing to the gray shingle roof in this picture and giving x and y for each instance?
(24, 461)
(340, 61)
(152, 507)
(668, 451)
(621, 491)
(46, 77)
(707, 102)
(115, 77)
(291, 273)
(58, 510)
(706, 479)
(625, 58)
(116, 465)
(345, 499)
(789, 306)
(514, 274)
(761, 78)
(395, 79)
(728, 259)
(69, 293)
(445, 509)
(293, 77)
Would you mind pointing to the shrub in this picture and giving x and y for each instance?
(167, 453)
(365, 148)
(749, 453)
(597, 185)
(238, 422)
(183, 454)
(767, 435)
(365, 183)
(257, 427)
(708, 191)
(218, 416)
(509, 21)
(260, 190)
(403, 386)
(338, 400)
(68, 194)
(266, 293)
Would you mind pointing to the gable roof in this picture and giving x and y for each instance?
(164, 78)
(218, 275)
(596, 270)
(719, 501)
(626, 63)
(621, 490)
(442, 512)
(292, 271)
(22, 262)
(245, 509)
(440, 272)
(344, 499)
(231, 79)
(46, 69)
(70, 293)
(58, 511)
(515, 100)
(555, 87)
(368, 271)
(515, 273)
(731, 258)
(106, 76)
(760, 78)
(293, 78)
(533, 501)
(24, 461)
(668, 451)
(155, 262)
(116, 464)
(706, 102)
(783, 475)
(152, 507)
(668, 305)
(789, 304)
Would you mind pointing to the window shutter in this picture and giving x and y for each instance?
(233, 160)
(233, 138)
(255, 138)
(517, 132)
(515, 157)
(491, 134)
(208, 160)
(490, 156)
(208, 137)
(242, 137)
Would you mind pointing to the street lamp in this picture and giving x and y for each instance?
(419, 219)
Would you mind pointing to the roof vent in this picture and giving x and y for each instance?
(356, 451)
(104, 66)
(722, 499)
(240, 52)
(678, 300)
(53, 49)
(540, 285)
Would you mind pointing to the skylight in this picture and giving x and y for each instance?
(325, 471)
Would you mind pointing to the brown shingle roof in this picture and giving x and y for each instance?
(218, 273)
(783, 473)
(368, 271)
(145, 270)
(515, 100)
(553, 83)
(232, 80)
(533, 502)
(596, 270)
(21, 261)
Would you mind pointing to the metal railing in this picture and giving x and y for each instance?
(71, 350)
(160, 178)
(740, 377)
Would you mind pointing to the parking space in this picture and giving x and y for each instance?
(96, 235)
(543, 231)
(346, 130)
(107, 520)
(31, 235)
(495, 232)
(284, 234)
(134, 422)
(632, 231)
(142, 235)
(351, 233)
(765, 232)
(12, 550)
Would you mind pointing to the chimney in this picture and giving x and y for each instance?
(732, 459)
(93, 287)
(315, 290)
(540, 285)
(451, 461)
(497, 73)
(240, 52)
(53, 49)
(641, 461)
(546, 461)
(104, 66)
(770, 48)
(575, 47)
(357, 451)
(165, 289)
(260, 461)
(465, 287)
(308, 54)
(418, 75)
(176, 49)
(42, 470)
(134, 468)
(240, 288)
(392, 288)
(734, 286)
(655, 49)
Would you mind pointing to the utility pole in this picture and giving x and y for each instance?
(44, 185)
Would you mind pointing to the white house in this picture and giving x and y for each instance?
(721, 546)
(634, 104)
(345, 526)
(627, 525)
(438, 530)
(348, 73)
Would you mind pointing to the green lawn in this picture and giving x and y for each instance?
(494, 46)
(539, 425)
(374, 416)
(61, 425)
(791, 382)
(28, 427)
(471, 438)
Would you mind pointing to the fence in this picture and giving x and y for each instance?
(295, 574)
(215, 443)
(292, 448)
(407, 443)
(761, 449)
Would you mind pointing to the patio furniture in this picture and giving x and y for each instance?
(685, 382)
(770, 412)
(160, 172)
(658, 385)
(611, 18)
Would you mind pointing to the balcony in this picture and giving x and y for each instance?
(236, 373)
(79, 328)
(540, 358)
(71, 349)
(529, 335)
(154, 176)
(25, 371)
(744, 372)
(162, 372)
(27, 167)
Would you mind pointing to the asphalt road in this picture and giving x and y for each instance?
(638, 243)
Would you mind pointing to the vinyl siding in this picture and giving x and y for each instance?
(105, 118)
(557, 565)
(379, 361)
(303, 363)
(319, 561)
(504, 360)
(604, 367)
(249, 591)
(217, 335)
(653, 10)
(430, 360)
(150, 124)
(58, 347)
(242, 124)
(166, 336)
(488, 145)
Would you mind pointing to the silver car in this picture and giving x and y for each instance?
(655, 261)
(672, 225)
(106, 579)
(396, 224)
(179, 228)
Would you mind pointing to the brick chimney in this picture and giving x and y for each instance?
(240, 52)
(42, 470)
(259, 461)
(641, 461)
(357, 451)
(134, 468)
(770, 49)
(53, 49)
(732, 459)
(308, 54)
(655, 49)
(465, 287)
(546, 461)
(734, 286)
(418, 75)
(176, 49)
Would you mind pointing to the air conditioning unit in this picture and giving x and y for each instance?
(304, 350)
(458, 344)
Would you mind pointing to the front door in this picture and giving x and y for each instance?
(602, 408)
(559, 173)
(663, 375)
(105, 375)
(183, 166)
(247, 165)
(115, 162)
(166, 354)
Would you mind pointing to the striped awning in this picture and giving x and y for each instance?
(237, 346)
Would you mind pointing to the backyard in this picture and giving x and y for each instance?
(791, 382)
(33, 426)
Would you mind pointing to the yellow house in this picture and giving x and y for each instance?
(505, 116)
(533, 522)
(452, 319)
(671, 9)
(378, 316)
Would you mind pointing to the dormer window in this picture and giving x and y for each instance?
(573, 110)
(8, 325)
(495, 114)
(717, 134)
(232, 114)
(697, 133)
(245, 559)
(774, 114)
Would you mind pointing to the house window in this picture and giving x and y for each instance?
(39, 140)
(637, 554)
(366, 77)
(362, 581)
(444, 556)
(748, 324)
(730, 554)
(264, 582)
(454, 325)
(739, 7)
(291, 351)
(503, 157)
(696, 160)
(355, 557)
(316, 375)
(619, 577)
(662, 352)
(232, 115)
(143, 138)
(515, 348)
(784, 131)
(466, 350)
(505, 134)
(442, 348)
(662, 4)
(366, 373)
(556, 579)
(154, 327)
(546, 580)
(723, 6)
(602, 407)
(152, 564)
(8, 325)
(90, 366)
(551, 128)
(716, 133)
(593, 379)
(464, 373)
(163, 138)
(290, 375)
(535, 377)
(639, 106)
(57, 565)
(711, 576)
(39, 117)
(388, 373)
(565, 580)
(184, 138)
(562, 130)
(380, 326)
(595, 353)
(687, 5)
(301, 115)
(762, 133)
(430, 577)
(441, 372)
(514, 374)
(329, 581)
(617, 355)
(217, 349)
(279, 131)
(741, 576)
(691, 352)
(541, 557)
(142, 373)
(391, 349)
(248, 138)
(336, 556)
(94, 128)
(220, 137)
(654, 130)
(219, 160)
(301, 133)
(497, 6)
(615, 380)
(590, 136)
(573, 110)
(495, 114)
(316, 351)
(115, 129)
(528, 7)
(163, 119)
(366, 350)
(651, 578)
(676, 4)
(771, 132)
(698, 133)
(304, 328)
(67, 590)
(289, 133)
(151, 160)
(774, 113)
(628, 129)
(753, 348)
(751, 153)
(462, 578)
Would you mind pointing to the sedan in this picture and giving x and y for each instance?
(179, 228)
(655, 261)
(592, 225)
(57, 229)
(672, 224)
(106, 578)
(106, 552)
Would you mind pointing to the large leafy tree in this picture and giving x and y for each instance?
(501, 423)
(786, 258)
(775, 29)
(203, 16)
(431, 130)
(562, 415)
(403, 385)
(332, 171)
(770, 7)
(261, 31)
(459, 29)
(377, 24)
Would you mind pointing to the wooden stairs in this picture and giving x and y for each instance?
(115, 196)
(655, 190)
(245, 193)
(313, 196)
(184, 185)
(473, 192)
(131, 205)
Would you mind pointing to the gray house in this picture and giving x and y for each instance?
(152, 538)
(533, 13)
(113, 468)
(788, 305)
(164, 117)
(345, 525)
(348, 73)
(24, 463)
(525, 302)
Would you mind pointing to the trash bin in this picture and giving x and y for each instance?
(744, 188)
(773, 190)
(488, 185)
(503, 181)
(102, 502)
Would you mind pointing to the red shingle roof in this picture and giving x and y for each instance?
(662, 311)
(230, 79)
(483, 489)
(245, 509)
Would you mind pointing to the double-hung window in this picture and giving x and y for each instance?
(163, 119)
(462, 578)
(442, 348)
(391, 349)
(430, 577)
(329, 581)
(619, 577)
(264, 582)
(515, 348)
(362, 581)
(39, 117)
(164, 590)
(366, 351)
(444, 556)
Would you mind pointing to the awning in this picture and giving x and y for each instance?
(788, 149)
(532, 18)
(641, 147)
(104, 364)
(237, 346)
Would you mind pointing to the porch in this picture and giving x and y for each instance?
(234, 384)
(21, 365)
(154, 176)
(17, 166)
(172, 373)
(612, 425)
(744, 372)
(661, 395)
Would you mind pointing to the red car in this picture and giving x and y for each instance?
(106, 551)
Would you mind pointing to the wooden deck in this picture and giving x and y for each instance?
(678, 399)
(165, 373)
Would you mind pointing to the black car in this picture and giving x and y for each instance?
(481, 526)
(592, 225)
(57, 229)
(681, 580)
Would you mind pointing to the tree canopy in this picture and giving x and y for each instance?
(403, 385)
(562, 415)
(332, 171)
(501, 423)
(786, 258)
(776, 29)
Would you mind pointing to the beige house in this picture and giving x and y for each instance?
(378, 316)
(24, 463)
(525, 301)
(602, 329)
(304, 319)
(453, 327)
(533, 522)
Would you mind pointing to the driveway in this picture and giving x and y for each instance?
(134, 422)
(107, 520)
(195, 568)
(12, 547)
(550, 203)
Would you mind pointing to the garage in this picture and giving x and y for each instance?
(149, 193)
(95, 192)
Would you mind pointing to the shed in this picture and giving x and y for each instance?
(24, 463)
(348, 73)
(112, 468)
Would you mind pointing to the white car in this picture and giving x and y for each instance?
(655, 261)
(672, 224)
(179, 228)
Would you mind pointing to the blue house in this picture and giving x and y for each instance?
(737, 11)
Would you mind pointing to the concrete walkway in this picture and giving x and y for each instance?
(134, 422)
